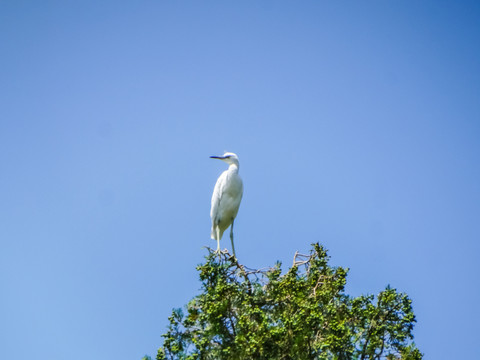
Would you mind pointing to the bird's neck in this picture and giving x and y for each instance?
(233, 168)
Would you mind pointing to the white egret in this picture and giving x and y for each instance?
(226, 198)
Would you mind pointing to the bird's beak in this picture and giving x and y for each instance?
(217, 157)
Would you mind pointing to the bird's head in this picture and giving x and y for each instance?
(229, 157)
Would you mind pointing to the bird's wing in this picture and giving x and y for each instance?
(217, 196)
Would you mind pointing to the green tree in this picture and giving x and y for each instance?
(303, 314)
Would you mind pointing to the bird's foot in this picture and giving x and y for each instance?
(221, 253)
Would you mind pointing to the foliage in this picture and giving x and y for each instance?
(302, 314)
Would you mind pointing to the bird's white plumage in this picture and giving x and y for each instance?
(226, 198)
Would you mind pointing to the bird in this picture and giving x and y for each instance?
(226, 198)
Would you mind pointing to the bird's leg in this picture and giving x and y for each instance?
(231, 238)
(217, 230)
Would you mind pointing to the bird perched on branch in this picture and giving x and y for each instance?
(226, 198)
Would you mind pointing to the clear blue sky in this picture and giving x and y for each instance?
(357, 125)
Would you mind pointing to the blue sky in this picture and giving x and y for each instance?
(357, 125)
